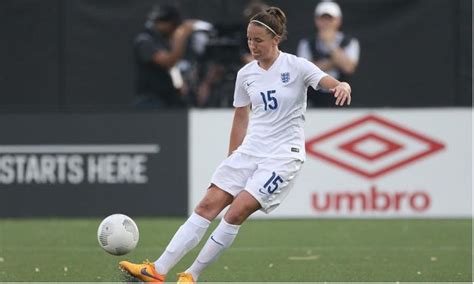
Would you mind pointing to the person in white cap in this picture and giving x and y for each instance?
(330, 49)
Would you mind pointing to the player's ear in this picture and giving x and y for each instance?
(276, 40)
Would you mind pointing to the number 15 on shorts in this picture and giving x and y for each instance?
(271, 185)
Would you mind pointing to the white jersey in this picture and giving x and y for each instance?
(278, 100)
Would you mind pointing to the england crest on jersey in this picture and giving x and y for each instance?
(285, 77)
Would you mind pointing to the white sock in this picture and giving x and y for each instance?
(222, 237)
(185, 239)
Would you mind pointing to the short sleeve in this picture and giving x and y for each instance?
(241, 97)
(145, 47)
(311, 73)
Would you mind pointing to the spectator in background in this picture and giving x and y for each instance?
(157, 50)
(330, 49)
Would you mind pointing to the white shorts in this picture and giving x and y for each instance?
(268, 180)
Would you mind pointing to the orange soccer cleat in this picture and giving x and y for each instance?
(185, 278)
(145, 272)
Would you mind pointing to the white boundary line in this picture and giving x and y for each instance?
(80, 149)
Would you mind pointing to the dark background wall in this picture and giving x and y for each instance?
(77, 54)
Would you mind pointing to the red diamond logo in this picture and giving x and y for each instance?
(372, 146)
(387, 147)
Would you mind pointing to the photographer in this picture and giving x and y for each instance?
(157, 49)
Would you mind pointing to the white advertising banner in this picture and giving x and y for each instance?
(375, 163)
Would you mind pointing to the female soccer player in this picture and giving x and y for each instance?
(266, 151)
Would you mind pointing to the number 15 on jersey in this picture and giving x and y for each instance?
(269, 100)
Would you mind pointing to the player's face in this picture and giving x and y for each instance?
(261, 41)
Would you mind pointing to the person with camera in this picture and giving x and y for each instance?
(157, 50)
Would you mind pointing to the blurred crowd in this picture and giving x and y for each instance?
(183, 63)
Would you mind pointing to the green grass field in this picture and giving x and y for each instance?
(62, 250)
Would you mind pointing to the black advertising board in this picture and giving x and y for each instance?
(93, 164)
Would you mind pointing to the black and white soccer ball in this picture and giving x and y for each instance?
(118, 234)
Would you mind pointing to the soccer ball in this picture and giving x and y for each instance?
(118, 234)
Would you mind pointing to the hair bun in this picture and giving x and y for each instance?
(274, 19)
(278, 14)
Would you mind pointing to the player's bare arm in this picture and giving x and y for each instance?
(239, 128)
(341, 90)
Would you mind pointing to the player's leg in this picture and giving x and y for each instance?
(266, 189)
(223, 236)
(213, 202)
(227, 181)
(185, 238)
(191, 232)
